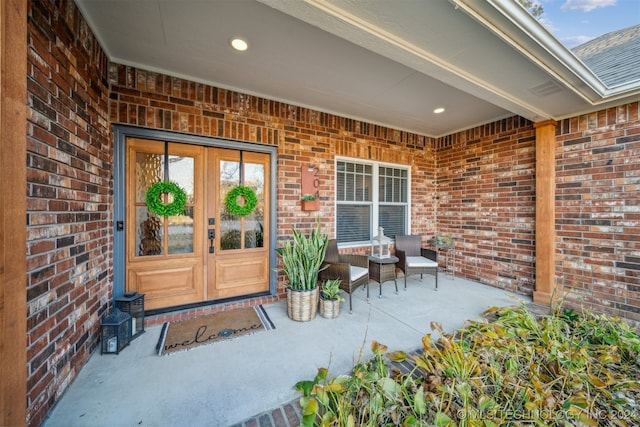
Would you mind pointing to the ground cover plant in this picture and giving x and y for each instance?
(516, 368)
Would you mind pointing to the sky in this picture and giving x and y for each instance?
(574, 22)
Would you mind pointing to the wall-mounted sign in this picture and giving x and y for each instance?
(310, 188)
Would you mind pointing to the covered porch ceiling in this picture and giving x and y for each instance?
(385, 62)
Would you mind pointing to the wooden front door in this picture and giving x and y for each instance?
(206, 253)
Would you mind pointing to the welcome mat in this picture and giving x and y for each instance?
(187, 334)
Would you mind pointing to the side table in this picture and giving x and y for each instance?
(382, 270)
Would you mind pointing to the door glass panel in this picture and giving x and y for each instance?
(254, 222)
(149, 232)
(180, 227)
(181, 172)
(230, 231)
(248, 231)
(149, 169)
(180, 233)
(150, 229)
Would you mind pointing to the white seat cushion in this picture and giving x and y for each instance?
(420, 262)
(357, 272)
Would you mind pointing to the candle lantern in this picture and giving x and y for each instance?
(380, 245)
(116, 332)
(133, 303)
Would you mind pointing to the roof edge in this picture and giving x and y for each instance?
(516, 26)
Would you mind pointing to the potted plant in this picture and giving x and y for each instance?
(330, 299)
(443, 241)
(310, 202)
(301, 263)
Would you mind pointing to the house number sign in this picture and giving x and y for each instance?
(311, 185)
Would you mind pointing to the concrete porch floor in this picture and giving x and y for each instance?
(229, 382)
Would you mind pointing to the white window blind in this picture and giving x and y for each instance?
(368, 196)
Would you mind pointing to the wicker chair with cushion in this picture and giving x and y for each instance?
(414, 259)
(352, 270)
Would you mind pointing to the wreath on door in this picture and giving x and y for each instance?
(155, 203)
(250, 200)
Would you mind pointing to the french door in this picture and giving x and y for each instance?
(207, 252)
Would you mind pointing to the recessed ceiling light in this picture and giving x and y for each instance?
(439, 110)
(239, 44)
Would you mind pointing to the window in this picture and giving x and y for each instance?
(368, 196)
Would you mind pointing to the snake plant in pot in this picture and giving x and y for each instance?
(301, 263)
(330, 299)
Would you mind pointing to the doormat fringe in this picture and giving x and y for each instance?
(264, 318)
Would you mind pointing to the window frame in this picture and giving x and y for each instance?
(375, 201)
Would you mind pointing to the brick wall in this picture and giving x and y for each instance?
(303, 136)
(69, 202)
(486, 192)
(598, 210)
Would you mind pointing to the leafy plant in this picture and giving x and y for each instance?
(535, 8)
(249, 197)
(155, 203)
(570, 315)
(444, 241)
(308, 197)
(302, 259)
(331, 290)
(561, 369)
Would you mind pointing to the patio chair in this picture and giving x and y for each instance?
(414, 259)
(351, 270)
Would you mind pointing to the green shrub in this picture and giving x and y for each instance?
(563, 369)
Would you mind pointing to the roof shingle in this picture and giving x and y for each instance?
(614, 57)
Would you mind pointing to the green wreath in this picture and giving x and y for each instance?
(154, 202)
(250, 200)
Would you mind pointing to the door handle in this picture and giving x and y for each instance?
(212, 236)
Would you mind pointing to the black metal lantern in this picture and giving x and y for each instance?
(116, 332)
(133, 303)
